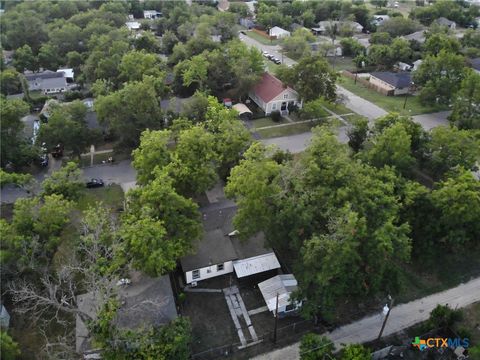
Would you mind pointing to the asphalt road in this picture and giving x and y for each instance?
(121, 173)
(401, 317)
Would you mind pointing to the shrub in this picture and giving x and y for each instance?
(275, 115)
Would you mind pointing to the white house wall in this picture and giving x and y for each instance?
(206, 274)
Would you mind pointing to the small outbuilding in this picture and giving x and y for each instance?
(278, 32)
(393, 83)
(243, 111)
(282, 286)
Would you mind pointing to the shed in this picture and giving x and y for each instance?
(278, 32)
(284, 286)
(243, 111)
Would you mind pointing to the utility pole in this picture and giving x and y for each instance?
(276, 322)
(386, 317)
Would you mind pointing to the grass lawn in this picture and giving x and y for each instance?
(261, 39)
(287, 130)
(341, 63)
(353, 118)
(389, 103)
(266, 121)
(99, 158)
(110, 195)
(271, 66)
(338, 109)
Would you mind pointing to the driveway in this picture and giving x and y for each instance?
(360, 105)
(429, 121)
(401, 317)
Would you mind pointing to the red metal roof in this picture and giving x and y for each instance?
(269, 87)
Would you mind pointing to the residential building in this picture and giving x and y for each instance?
(278, 32)
(323, 26)
(403, 66)
(445, 22)
(416, 64)
(395, 83)
(69, 74)
(133, 25)
(243, 111)
(270, 94)
(221, 252)
(48, 82)
(475, 64)
(418, 36)
(144, 302)
(281, 286)
(151, 14)
(379, 19)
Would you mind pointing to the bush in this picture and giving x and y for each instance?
(443, 317)
(73, 95)
(275, 115)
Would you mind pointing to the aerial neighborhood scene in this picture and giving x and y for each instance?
(215, 179)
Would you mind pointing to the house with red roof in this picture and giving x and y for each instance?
(270, 94)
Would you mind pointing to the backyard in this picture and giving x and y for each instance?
(390, 103)
(261, 39)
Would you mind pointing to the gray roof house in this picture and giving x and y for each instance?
(395, 83)
(324, 25)
(49, 82)
(221, 252)
(445, 22)
(475, 64)
(417, 36)
(145, 301)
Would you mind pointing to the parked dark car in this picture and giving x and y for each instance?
(95, 183)
(276, 61)
(243, 32)
(57, 151)
(44, 160)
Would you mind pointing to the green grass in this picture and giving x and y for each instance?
(266, 121)
(353, 118)
(338, 109)
(271, 66)
(261, 39)
(111, 196)
(341, 63)
(389, 103)
(287, 130)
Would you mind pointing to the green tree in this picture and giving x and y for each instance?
(34, 233)
(466, 106)
(314, 109)
(380, 38)
(135, 64)
(195, 71)
(391, 148)
(444, 317)
(48, 57)
(67, 126)
(147, 42)
(196, 107)
(438, 42)
(193, 162)
(316, 347)
(169, 39)
(398, 26)
(23, 59)
(312, 78)
(251, 184)
(357, 135)
(351, 47)
(450, 147)
(356, 352)
(24, 27)
(14, 178)
(297, 45)
(440, 77)
(140, 110)
(10, 82)
(400, 50)
(66, 181)
(153, 152)
(15, 151)
(457, 204)
(66, 38)
(9, 348)
(160, 225)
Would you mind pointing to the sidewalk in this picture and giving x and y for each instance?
(401, 317)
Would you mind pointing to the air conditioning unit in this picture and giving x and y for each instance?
(193, 284)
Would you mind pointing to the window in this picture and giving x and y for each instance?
(289, 307)
(195, 274)
(285, 96)
(274, 106)
(220, 267)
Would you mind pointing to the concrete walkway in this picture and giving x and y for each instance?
(401, 317)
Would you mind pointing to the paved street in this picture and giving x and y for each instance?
(429, 121)
(360, 105)
(121, 173)
(401, 317)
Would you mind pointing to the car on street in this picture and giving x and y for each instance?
(95, 183)
(266, 54)
(276, 61)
